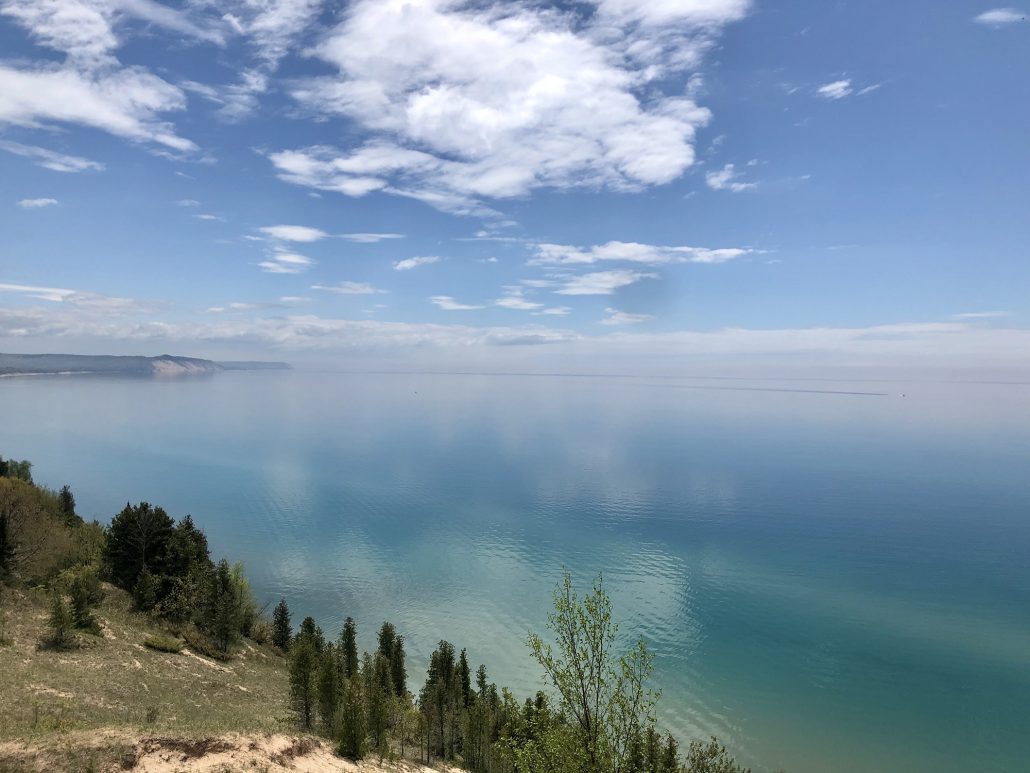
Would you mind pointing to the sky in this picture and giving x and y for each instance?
(608, 184)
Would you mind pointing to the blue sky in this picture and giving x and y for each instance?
(503, 183)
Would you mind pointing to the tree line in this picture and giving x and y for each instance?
(596, 713)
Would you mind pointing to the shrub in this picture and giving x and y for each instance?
(163, 644)
(62, 634)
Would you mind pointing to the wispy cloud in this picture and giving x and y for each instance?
(514, 298)
(631, 252)
(208, 216)
(85, 302)
(726, 179)
(616, 317)
(601, 282)
(369, 238)
(36, 203)
(409, 263)
(49, 159)
(447, 303)
(836, 89)
(294, 233)
(349, 288)
(982, 315)
(1000, 17)
(187, 203)
(286, 262)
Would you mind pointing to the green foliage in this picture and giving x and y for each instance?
(61, 624)
(34, 541)
(303, 665)
(350, 723)
(138, 540)
(66, 501)
(327, 684)
(4, 640)
(12, 468)
(163, 643)
(604, 696)
(282, 630)
(398, 669)
(144, 592)
(223, 610)
(349, 649)
(86, 593)
(711, 757)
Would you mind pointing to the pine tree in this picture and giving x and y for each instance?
(144, 592)
(282, 631)
(303, 664)
(464, 679)
(62, 635)
(327, 684)
(85, 593)
(350, 731)
(349, 649)
(66, 501)
(398, 671)
(221, 617)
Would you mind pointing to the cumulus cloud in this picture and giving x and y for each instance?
(447, 303)
(409, 263)
(631, 252)
(464, 102)
(835, 90)
(616, 317)
(1000, 17)
(49, 159)
(294, 233)
(601, 282)
(349, 288)
(36, 203)
(726, 179)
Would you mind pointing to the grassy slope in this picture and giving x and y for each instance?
(114, 681)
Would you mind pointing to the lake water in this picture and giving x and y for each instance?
(831, 582)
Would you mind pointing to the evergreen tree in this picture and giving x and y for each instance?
(144, 592)
(328, 687)
(398, 671)
(282, 631)
(221, 617)
(85, 592)
(303, 665)
(138, 539)
(187, 548)
(66, 502)
(349, 649)
(375, 678)
(464, 679)
(309, 630)
(350, 731)
(62, 635)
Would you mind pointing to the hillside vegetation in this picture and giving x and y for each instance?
(125, 646)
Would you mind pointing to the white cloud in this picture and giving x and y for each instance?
(90, 304)
(725, 179)
(187, 203)
(616, 317)
(631, 252)
(369, 238)
(982, 315)
(447, 303)
(349, 288)
(999, 17)
(124, 102)
(835, 90)
(36, 203)
(465, 102)
(294, 233)
(49, 159)
(554, 311)
(601, 282)
(409, 263)
(285, 262)
(869, 89)
(210, 217)
(514, 298)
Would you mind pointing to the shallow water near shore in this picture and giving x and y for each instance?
(833, 576)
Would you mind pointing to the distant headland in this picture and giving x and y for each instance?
(161, 365)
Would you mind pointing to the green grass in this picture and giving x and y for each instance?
(163, 643)
(120, 680)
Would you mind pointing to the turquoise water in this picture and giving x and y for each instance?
(832, 582)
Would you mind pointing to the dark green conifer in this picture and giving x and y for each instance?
(282, 630)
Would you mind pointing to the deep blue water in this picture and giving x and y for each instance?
(832, 582)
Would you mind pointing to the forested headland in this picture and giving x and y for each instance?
(595, 711)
